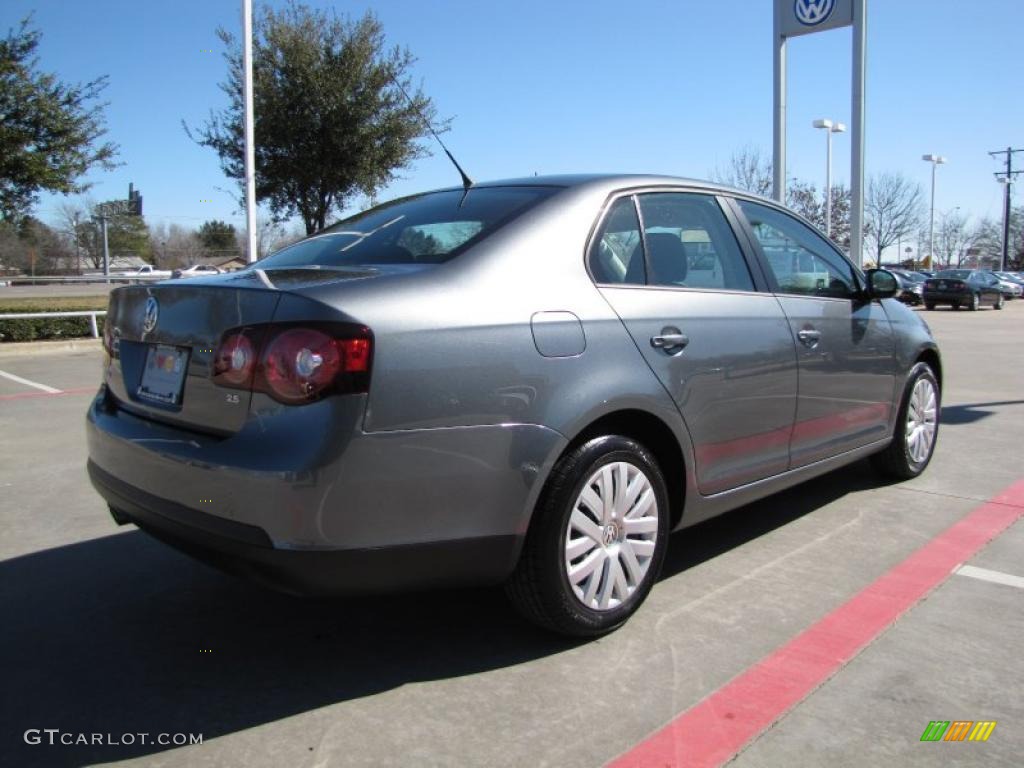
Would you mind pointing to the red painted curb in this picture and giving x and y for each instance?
(718, 727)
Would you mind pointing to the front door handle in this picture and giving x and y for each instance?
(809, 337)
(669, 341)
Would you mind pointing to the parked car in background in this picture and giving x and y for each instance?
(1013, 286)
(530, 382)
(148, 270)
(197, 270)
(925, 272)
(911, 286)
(970, 288)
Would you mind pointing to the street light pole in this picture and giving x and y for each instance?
(250, 146)
(935, 160)
(830, 128)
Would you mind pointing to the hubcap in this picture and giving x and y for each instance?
(921, 421)
(610, 538)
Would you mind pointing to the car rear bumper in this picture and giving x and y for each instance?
(353, 512)
(947, 297)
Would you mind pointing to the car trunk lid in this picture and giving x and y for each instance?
(165, 336)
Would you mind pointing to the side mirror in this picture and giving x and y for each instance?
(882, 284)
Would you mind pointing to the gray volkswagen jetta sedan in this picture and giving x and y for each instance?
(529, 382)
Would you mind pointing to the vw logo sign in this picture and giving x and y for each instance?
(810, 13)
(151, 314)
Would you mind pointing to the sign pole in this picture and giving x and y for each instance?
(779, 120)
(804, 17)
(860, 44)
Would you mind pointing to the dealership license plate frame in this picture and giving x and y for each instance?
(163, 383)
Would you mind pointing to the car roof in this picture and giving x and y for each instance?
(610, 182)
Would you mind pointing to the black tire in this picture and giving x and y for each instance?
(539, 587)
(975, 302)
(929, 306)
(895, 461)
(956, 307)
(999, 302)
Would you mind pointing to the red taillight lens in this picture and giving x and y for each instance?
(295, 364)
(299, 364)
(235, 361)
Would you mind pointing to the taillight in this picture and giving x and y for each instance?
(235, 360)
(295, 364)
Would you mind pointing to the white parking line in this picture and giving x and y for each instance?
(28, 383)
(996, 577)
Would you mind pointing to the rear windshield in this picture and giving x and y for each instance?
(425, 229)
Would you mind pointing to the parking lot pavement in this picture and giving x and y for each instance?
(110, 632)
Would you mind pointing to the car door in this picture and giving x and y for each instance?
(845, 345)
(991, 290)
(670, 265)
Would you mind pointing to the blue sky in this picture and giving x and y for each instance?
(549, 87)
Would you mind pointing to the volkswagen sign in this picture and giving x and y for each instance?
(151, 314)
(811, 13)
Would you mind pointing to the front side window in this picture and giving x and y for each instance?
(424, 229)
(690, 243)
(801, 261)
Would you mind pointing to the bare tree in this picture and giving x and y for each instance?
(892, 210)
(748, 169)
(954, 238)
(809, 202)
(72, 221)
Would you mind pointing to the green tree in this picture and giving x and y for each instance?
(331, 121)
(49, 130)
(218, 236)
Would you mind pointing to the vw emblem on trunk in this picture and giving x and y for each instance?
(810, 13)
(151, 314)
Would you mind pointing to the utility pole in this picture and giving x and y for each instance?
(1006, 177)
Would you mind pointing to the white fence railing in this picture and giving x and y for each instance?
(91, 314)
(122, 278)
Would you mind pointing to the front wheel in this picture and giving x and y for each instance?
(999, 302)
(597, 540)
(930, 306)
(917, 427)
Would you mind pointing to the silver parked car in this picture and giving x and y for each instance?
(527, 382)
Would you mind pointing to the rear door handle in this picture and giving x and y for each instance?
(669, 341)
(809, 337)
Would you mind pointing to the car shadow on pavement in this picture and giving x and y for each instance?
(707, 540)
(123, 635)
(972, 412)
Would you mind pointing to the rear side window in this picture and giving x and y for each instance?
(617, 255)
(424, 229)
(690, 243)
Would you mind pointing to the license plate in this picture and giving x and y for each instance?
(164, 374)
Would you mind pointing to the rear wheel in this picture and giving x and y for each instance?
(917, 427)
(597, 541)
(999, 302)
(975, 302)
(929, 305)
